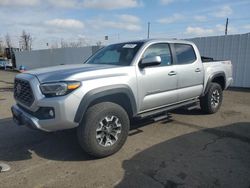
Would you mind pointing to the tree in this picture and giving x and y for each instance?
(26, 41)
(54, 45)
(64, 44)
(99, 43)
(8, 41)
(1, 47)
(73, 44)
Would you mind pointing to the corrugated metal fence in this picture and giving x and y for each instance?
(232, 47)
(51, 57)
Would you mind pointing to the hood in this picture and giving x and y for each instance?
(64, 72)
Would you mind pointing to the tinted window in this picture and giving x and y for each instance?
(161, 50)
(185, 53)
(116, 54)
(111, 57)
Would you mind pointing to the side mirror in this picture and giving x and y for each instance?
(150, 61)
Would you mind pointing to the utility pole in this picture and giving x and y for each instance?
(148, 29)
(226, 27)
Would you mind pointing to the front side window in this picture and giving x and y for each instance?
(185, 53)
(117, 54)
(161, 50)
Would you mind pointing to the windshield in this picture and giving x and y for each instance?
(116, 54)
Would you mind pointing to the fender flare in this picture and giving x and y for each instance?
(212, 76)
(94, 94)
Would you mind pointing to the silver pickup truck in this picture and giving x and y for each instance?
(120, 82)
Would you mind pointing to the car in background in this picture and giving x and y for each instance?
(2, 64)
(5, 64)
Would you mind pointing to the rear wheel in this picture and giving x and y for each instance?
(211, 102)
(104, 129)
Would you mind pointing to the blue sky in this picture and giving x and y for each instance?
(88, 21)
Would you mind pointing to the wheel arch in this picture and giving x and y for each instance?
(219, 78)
(119, 94)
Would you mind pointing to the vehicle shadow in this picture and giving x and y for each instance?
(214, 157)
(184, 111)
(18, 143)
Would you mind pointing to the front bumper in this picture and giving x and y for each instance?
(34, 115)
(21, 117)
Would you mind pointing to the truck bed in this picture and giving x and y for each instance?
(209, 59)
(217, 66)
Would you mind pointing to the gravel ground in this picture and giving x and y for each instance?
(189, 150)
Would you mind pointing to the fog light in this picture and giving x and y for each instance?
(45, 113)
(51, 113)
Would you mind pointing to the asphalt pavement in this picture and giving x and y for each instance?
(190, 149)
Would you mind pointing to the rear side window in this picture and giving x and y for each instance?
(185, 53)
(162, 50)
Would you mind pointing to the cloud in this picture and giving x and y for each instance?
(171, 19)
(221, 28)
(110, 4)
(64, 3)
(95, 4)
(218, 29)
(116, 25)
(166, 2)
(19, 2)
(223, 12)
(200, 18)
(247, 26)
(198, 31)
(123, 22)
(65, 23)
(129, 18)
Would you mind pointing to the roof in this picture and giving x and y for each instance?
(160, 40)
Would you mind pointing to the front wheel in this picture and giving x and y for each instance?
(104, 129)
(211, 102)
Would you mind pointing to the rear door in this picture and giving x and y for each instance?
(157, 84)
(189, 70)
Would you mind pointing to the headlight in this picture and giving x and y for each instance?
(58, 88)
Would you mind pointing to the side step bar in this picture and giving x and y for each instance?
(168, 108)
(195, 106)
(159, 118)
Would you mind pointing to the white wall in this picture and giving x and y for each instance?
(232, 47)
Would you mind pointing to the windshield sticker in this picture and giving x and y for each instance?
(129, 45)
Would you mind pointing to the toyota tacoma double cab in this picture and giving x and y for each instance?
(118, 83)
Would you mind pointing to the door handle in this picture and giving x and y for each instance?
(172, 73)
(197, 70)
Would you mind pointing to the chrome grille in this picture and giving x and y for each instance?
(23, 92)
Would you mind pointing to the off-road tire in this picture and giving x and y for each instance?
(206, 102)
(87, 129)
